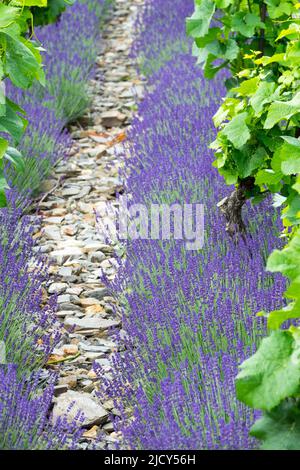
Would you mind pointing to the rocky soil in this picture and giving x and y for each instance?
(80, 254)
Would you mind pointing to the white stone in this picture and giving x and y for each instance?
(90, 323)
(70, 403)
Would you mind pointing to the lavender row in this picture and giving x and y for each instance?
(189, 316)
(71, 47)
(28, 327)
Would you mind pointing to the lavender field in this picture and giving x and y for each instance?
(136, 343)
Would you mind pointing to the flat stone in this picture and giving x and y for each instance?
(57, 288)
(71, 403)
(93, 348)
(51, 232)
(109, 427)
(54, 220)
(112, 118)
(98, 151)
(74, 290)
(65, 298)
(98, 294)
(88, 302)
(90, 323)
(70, 349)
(65, 271)
(92, 246)
(68, 306)
(72, 191)
(60, 256)
(97, 257)
(94, 355)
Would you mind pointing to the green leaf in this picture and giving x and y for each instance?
(12, 123)
(277, 317)
(279, 8)
(221, 115)
(286, 261)
(247, 87)
(279, 429)
(21, 64)
(33, 3)
(293, 29)
(208, 38)
(290, 152)
(246, 23)
(237, 130)
(3, 187)
(263, 95)
(293, 209)
(198, 24)
(16, 158)
(224, 3)
(3, 147)
(271, 374)
(227, 50)
(266, 60)
(247, 161)
(280, 110)
(209, 70)
(2, 98)
(8, 15)
(267, 177)
(293, 291)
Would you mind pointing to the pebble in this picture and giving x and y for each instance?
(77, 248)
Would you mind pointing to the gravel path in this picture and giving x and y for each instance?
(79, 253)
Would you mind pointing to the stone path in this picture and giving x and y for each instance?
(86, 182)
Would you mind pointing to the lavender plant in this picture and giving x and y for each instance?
(28, 327)
(187, 314)
(70, 51)
(25, 422)
(70, 58)
(159, 44)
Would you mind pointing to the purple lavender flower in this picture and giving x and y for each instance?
(71, 47)
(25, 423)
(29, 330)
(189, 315)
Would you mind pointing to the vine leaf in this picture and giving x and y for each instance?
(272, 373)
(280, 110)
(21, 64)
(280, 428)
(237, 130)
(291, 152)
(246, 23)
(247, 161)
(263, 95)
(8, 14)
(198, 24)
